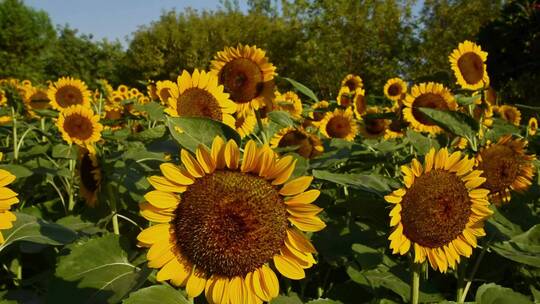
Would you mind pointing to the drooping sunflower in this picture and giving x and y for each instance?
(247, 75)
(468, 64)
(359, 103)
(506, 167)
(395, 89)
(373, 127)
(339, 124)
(532, 126)
(441, 210)
(483, 112)
(509, 113)
(308, 145)
(89, 174)
(428, 95)
(318, 110)
(352, 82)
(221, 223)
(36, 99)
(7, 198)
(79, 125)
(245, 123)
(67, 92)
(345, 97)
(288, 102)
(200, 95)
(166, 89)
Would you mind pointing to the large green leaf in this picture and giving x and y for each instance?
(95, 271)
(494, 294)
(324, 301)
(64, 151)
(153, 109)
(302, 89)
(289, 299)
(281, 118)
(456, 123)
(17, 170)
(158, 294)
(421, 143)
(523, 248)
(372, 183)
(28, 228)
(190, 132)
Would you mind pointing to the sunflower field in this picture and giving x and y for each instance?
(238, 185)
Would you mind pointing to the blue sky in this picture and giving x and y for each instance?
(113, 19)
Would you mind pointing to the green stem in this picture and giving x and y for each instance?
(473, 272)
(260, 125)
(42, 127)
(112, 203)
(416, 272)
(15, 150)
(461, 269)
(71, 193)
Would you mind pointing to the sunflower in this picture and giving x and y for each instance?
(36, 99)
(221, 223)
(114, 109)
(316, 113)
(345, 97)
(308, 145)
(395, 89)
(428, 95)
(199, 95)
(359, 103)
(373, 127)
(245, 123)
(89, 176)
(509, 113)
(484, 112)
(152, 90)
(468, 64)
(79, 125)
(246, 74)
(352, 82)
(490, 96)
(123, 89)
(460, 143)
(67, 92)
(441, 210)
(339, 124)
(288, 102)
(533, 126)
(7, 198)
(506, 166)
(3, 98)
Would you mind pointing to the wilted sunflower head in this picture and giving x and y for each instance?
(440, 211)
(89, 176)
(373, 127)
(79, 125)
(288, 102)
(510, 114)
(427, 95)
(395, 89)
(199, 95)
(307, 145)
(467, 62)
(345, 97)
(352, 82)
(36, 99)
(7, 198)
(246, 74)
(245, 123)
(339, 124)
(506, 167)
(68, 92)
(532, 126)
(220, 222)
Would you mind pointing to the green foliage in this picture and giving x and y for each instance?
(190, 132)
(159, 294)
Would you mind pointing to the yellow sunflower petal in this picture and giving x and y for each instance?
(296, 186)
(307, 197)
(191, 164)
(232, 154)
(162, 199)
(174, 174)
(288, 267)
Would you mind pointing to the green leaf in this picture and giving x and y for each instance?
(153, 109)
(281, 118)
(17, 170)
(500, 128)
(494, 294)
(289, 299)
(302, 89)
(64, 151)
(95, 271)
(421, 143)
(190, 132)
(523, 248)
(324, 301)
(28, 228)
(372, 183)
(366, 256)
(158, 294)
(150, 134)
(454, 122)
(466, 100)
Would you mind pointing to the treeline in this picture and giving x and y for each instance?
(316, 42)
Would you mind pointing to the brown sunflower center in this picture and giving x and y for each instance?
(360, 103)
(471, 67)
(346, 100)
(435, 209)
(352, 84)
(69, 95)
(375, 126)
(509, 115)
(338, 127)
(501, 166)
(300, 139)
(78, 126)
(242, 79)
(196, 102)
(394, 89)
(230, 223)
(428, 100)
(39, 100)
(164, 94)
(85, 172)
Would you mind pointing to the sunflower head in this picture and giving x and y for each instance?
(532, 126)
(339, 124)
(68, 92)
(288, 102)
(373, 127)
(89, 176)
(317, 110)
(440, 212)
(36, 99)
(3, 98)
(166, 89)
(468, 64)
(199, 95)
(359, 103)
(483, 112)
(8, 198)
(308, 145)
(246, 74)
(395, 89)
(510, 114)
(245, 123)
(352, 82)
(427, 95)
(506, 167)
(79, 125)
(221, 222)
(345, 97)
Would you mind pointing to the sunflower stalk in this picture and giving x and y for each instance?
(260, 125)
(473, 272)
(71, 184)
(416, 273)
(15, 143)
(112, 204)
